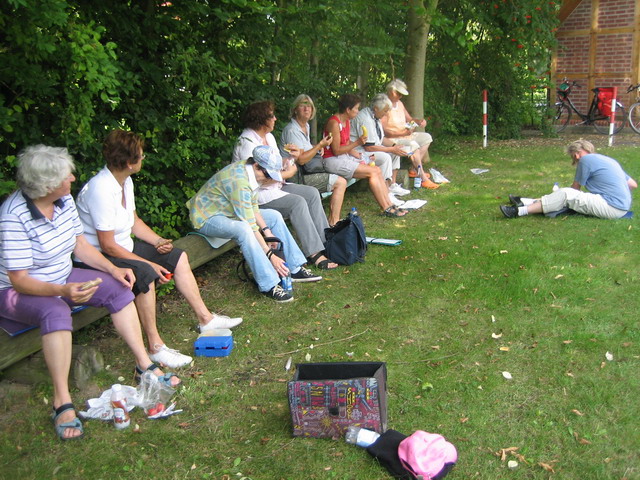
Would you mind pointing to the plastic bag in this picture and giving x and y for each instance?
(152, 394)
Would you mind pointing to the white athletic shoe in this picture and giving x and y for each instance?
(220, 321)
(398, 190)
(169, 357)
(437, 177)
(394, 200)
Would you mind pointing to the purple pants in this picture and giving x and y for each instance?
(52, 314)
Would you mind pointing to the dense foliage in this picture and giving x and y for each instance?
(180, 73)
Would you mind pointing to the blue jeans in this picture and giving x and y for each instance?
(240, 231)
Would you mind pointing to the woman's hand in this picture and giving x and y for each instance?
(326, 141)
(125, 276)
(279, 266)
(398, 150)
(164, 245)
(293, 150)
(161, 272)
(74, 292)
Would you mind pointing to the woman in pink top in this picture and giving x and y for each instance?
(399, 126)
(341, 157)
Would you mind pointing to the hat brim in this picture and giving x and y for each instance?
(401, 91)
(275, 175)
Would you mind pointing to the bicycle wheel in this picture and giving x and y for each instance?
(602, 125)
(634, 117)
(561, 117)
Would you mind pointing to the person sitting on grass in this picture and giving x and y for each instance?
(609, 186)
(300, 204)
(310, 160)
(400, 126)
(107, 209)
(39, 230)
(386, 152)
(226, 206)
(342, 158)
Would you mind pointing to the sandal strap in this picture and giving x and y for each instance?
(150, 368)
(314, 258)
(62, 408)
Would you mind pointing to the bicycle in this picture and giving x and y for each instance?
(634, 110)
(599, 111)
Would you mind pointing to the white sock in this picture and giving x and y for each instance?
(522, 211)
(527, 201)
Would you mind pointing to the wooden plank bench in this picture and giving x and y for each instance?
(16, 348)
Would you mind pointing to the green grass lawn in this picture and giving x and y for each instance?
(467, 296)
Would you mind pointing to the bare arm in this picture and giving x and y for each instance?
(632, 183)
(387, 146)
(307, 155)
(576, 185)
(333, 127)
(87, 253)
(110, 247)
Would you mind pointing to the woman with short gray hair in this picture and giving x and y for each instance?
(384, 151)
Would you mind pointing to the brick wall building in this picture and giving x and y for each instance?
(598, 46)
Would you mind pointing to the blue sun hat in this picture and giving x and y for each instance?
(270, 160)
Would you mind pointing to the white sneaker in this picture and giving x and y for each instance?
(220, 321)
(169, 357)
(394, 200)
(398, 190)
(438, 177)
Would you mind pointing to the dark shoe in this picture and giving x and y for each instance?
(321, 264)
(509, 211)
(515, 201)
(163, 379)
(305, 275)
(278, 294)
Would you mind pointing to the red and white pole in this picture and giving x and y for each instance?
(612, 119)
(484, 118)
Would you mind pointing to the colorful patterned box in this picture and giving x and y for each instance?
(326, 398)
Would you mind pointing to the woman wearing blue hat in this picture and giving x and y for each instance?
(227, 207)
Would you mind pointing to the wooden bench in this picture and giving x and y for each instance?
(16, 348)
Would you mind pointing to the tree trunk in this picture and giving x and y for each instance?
(314, 63)
(419, 22)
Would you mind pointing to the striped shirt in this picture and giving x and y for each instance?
(230, 192)
(30, 241)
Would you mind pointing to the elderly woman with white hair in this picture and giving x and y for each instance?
(296, 132)
(399, 126)
(385, 151)
(39, 230)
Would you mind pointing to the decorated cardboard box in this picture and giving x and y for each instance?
(326, 398)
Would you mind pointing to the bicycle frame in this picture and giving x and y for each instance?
(590, 117)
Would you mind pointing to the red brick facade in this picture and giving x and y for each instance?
(599, 46)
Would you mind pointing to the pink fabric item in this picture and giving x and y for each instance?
(427, 454)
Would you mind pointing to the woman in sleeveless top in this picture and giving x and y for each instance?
(342, 158)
